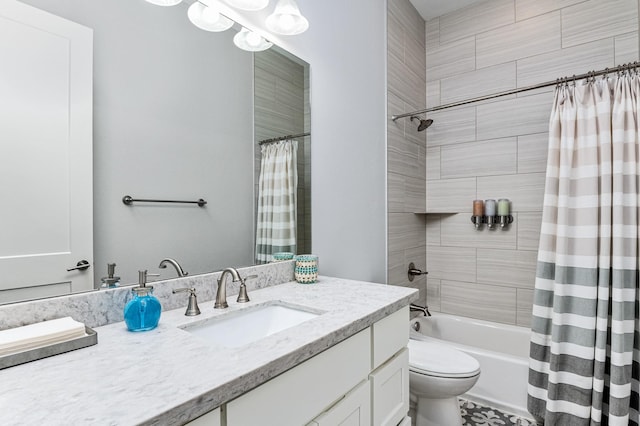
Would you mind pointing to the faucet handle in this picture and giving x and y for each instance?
(192, 307)
(243, 297)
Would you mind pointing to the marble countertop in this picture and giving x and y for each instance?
(169, 376)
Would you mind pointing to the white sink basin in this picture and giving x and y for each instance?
(248, 325)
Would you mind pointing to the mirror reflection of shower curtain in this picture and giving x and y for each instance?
(277, 200)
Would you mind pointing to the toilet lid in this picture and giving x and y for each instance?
(436, 359)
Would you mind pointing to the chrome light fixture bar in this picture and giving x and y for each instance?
(286, 19)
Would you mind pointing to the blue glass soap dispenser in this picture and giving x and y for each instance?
(142, 313)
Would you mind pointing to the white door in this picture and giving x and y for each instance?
(46, 189)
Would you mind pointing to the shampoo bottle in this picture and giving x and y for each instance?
(142, 313)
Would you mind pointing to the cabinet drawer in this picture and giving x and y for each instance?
(390, 390)
(390, 334)
(297, 396)
(353, 410)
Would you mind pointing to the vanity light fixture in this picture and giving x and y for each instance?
(248, 4)
(208, 17)
(165, 2)
(286, 19)
(251, 41)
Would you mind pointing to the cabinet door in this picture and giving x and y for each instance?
(353, 410)
(297, 396)
(390, 390)
(212, 418)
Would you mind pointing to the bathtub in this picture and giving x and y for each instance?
(502, 351)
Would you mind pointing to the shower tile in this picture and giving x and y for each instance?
(532, 153)
(452, 126)
(527, 9)
(513, 268)
(414, 53)
(526, 191)
(596, 20)
(433, 229)
(395, 37)
(415, 194)
(395, 192)
(452, 58)
(450, 195)
(397, 271)
(432, 34)
(475, 19)
(457, 230)
(404, 11)
(433, 94)
(626, 47)
(405, 157)
(406, 230)
(433, 163)
(519, 40)
(452, 263)
(487, 302)
(484, 158)
(529, 224)
(433, 294)
(514, 117)
(482, 82)
(566, 62)
(524, 307)
(405, 83)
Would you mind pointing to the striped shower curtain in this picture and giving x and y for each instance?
(277, 200)
(584, 342)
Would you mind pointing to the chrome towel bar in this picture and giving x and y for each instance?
(128, 200)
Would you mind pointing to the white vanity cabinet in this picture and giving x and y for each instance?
(362, 380)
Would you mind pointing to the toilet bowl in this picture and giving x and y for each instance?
(438, 374)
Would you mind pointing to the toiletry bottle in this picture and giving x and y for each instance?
(142, 313)
(110, 281)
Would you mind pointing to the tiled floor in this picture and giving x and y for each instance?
(474, 414)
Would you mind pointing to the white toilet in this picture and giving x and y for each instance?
(438, 374)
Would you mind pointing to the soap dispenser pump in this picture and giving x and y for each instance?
(142, 313)
(110, 281)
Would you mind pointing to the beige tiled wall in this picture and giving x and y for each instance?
(406, 148)
(497, 149)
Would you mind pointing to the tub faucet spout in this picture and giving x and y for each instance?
(423, 309)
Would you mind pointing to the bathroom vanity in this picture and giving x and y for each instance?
(349, 361)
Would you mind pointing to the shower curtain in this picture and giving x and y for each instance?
(584, 342)
(277, 200)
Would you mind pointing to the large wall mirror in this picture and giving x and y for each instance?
(178, 114)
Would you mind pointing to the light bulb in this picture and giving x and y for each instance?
(208, 18)
(286, 22)
(253, 39)
(210, 15)
(286, 19)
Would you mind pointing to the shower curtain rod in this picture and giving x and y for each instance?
(283, 138)
(590, 74)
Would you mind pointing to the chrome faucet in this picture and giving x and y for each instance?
(179, 270)
(221, 293)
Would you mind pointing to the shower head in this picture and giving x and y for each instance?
(423, 123)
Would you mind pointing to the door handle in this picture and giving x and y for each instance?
(82, 265)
